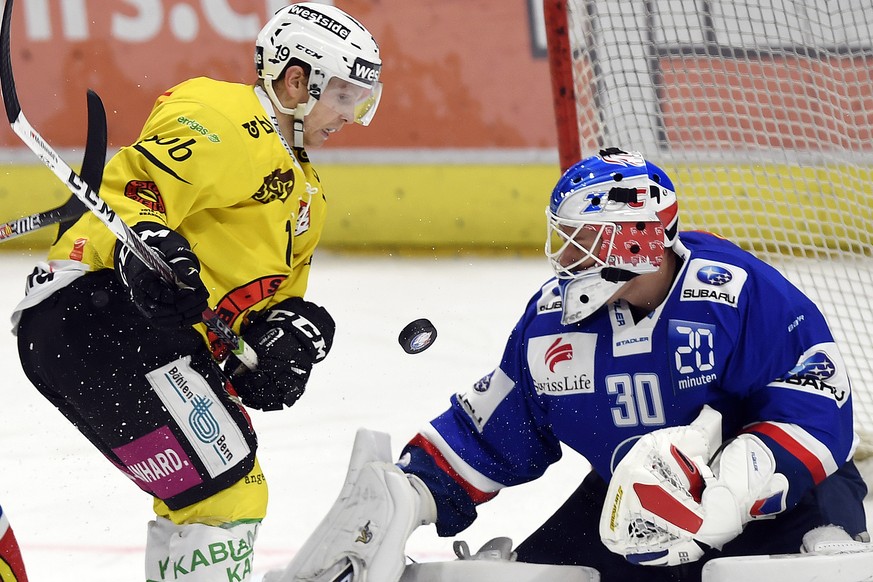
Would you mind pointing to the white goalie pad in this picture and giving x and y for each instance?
(856, 567)
(494, 562)
(832, 556)
(364, 534)
(496, 571)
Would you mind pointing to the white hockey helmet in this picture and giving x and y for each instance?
(609, 218)
(333, 44)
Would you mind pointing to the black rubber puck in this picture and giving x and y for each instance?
(417, 336)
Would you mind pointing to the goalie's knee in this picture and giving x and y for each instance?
(244, 501)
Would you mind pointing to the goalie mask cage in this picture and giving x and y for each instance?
(762, 113)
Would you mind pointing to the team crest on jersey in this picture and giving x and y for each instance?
(277, 186)
(819, 371)
(562, 364)
(147, 194)
(713, 281)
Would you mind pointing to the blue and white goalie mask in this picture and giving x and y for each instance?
(610, 217)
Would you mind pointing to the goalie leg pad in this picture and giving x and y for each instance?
(854, 567)
(368, 525)
(494, 562)
(196, 552)
(496, 571)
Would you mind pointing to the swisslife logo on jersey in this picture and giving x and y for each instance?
(713, 281)
(562, 364)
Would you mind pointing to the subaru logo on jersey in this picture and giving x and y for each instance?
(562, 364)
(714, 275)
(483, 383)
(819, 372)
(487, 394)
(550, 298)
(713, 281)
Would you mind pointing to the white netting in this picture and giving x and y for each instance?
(762, 112)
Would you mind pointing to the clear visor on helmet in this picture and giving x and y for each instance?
(353, 102)
(577, 246)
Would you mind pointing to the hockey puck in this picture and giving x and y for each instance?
(417, 336)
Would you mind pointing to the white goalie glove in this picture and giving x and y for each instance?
(665, 499)
(363, 537)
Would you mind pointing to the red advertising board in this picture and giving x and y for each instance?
(457, 74)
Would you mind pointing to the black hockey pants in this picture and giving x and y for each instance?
(153, 401)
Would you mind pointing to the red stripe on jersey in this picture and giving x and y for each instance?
(10, 557)
(790, 444)
(665, 506)
(428, 447)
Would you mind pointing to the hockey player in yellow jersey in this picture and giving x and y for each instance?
(219, 183)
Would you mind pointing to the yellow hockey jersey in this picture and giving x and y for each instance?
(210, 165)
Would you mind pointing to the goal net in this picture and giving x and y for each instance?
(762, 113)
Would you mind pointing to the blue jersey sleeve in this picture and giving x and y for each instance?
(493, 435)
(795, 383)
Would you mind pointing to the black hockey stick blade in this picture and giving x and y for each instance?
(93, 163)
(10, 96)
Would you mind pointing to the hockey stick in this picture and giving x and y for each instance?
(92, 173)
(93, 201)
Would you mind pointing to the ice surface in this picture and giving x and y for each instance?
(77, 516)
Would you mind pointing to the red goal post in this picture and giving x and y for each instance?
(761, 111)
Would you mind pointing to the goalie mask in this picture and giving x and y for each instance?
(609, 218)
(343, 57)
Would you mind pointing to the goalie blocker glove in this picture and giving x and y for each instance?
(163, 303)
(288, 338)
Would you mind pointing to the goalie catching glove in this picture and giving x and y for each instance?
(665, 504)
(164, 303)
(288, 339)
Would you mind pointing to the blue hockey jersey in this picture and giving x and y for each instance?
(732, 333)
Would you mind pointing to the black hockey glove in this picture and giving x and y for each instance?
(164, 304)
(288, 339)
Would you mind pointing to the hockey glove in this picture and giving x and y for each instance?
(288, 338)
(164, 304)
(665, 504)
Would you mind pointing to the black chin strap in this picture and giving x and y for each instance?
(614, 275)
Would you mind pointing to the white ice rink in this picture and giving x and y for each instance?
(78, 519)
